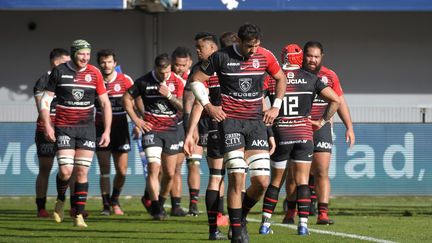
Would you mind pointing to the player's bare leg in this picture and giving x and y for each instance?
(104, 180)
(320, 167)
(45, 166)
(121, 164)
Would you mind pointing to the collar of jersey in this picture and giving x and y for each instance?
(113, 79)
(154, 76)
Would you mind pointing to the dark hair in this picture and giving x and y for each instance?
(106, 53)
(228, 39)
(162, 61)
(181, 52)
(58, 52)
(207, 37)
(249, 32)
(316, 44)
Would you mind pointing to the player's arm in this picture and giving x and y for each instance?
(37, 97)
(44, 113)
(128, 105)
(345, 116)
(199, 90)
(273, 112)
(107, 119)
(194, 118)
(176, 102)
(333, 104)
(188, 101)
(271, 139)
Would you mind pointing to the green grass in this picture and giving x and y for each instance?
(400, 219)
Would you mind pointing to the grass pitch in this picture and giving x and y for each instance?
(376, 219)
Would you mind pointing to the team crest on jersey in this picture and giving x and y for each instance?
(88, 78)
(117, 87)
(78, 94)
(290, 75)
(171, 87)
(255, 63)
(324, 79)
(245, 84)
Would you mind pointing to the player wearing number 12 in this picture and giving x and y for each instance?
(293, 134)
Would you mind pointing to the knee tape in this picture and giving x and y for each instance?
(105, 175)
(217, 172)
(153, 154)
(64, 160)
(82, 161)
(194, 159)
(234, 162)
(259, 164)
(280, 165)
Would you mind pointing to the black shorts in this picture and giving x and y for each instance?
(83, 137)
(323, 139)
(44, 148)
(248, 134)
(301, 150)
(203, 130)
(119, 136)
(168, 141)
(214, 142)
(180, 136)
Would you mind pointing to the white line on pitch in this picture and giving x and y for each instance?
(360, 237)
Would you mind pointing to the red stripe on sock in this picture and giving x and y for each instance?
(304, 200)
(81, 193)
(267, 211)
(235, 225)
(81, 203)
(271, 200)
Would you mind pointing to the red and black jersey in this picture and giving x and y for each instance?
(158, 110)
(76, 91)
(115, 88)
(332, 80)
(241, 80)
(293, 120)
(38, 90)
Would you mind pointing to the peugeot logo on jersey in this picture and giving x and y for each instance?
(245, 84)
(78, 94)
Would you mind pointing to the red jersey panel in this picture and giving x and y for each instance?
(157, 109)
(76, 91)
(330, 78)
(241, 80)
(115, 89)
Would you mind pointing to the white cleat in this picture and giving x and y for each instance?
(58, 213)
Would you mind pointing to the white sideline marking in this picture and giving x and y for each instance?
(360, 237)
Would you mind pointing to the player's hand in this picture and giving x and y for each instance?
(143, 126)
(316, 124)
(350, 137)
(105, 139)
(272, 145)
(216, 112)
(49, 133)
(189, 145)
(164, 91)
(270, 115)
(136, 133)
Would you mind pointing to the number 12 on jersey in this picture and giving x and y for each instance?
(290, 106)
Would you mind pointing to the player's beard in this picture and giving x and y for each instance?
(315, 71)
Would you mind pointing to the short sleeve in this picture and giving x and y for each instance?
(319, 85)
(336, 84)
(273, 66)
(128, 81)
(54, 78)
(212, 65)
(135, 89)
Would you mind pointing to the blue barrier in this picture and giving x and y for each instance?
(388, 159)
(307, 5)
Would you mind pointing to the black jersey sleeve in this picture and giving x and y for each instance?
(136, 89)
(211, 65)
(319, 85)
(54, 78)
(41, 84)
